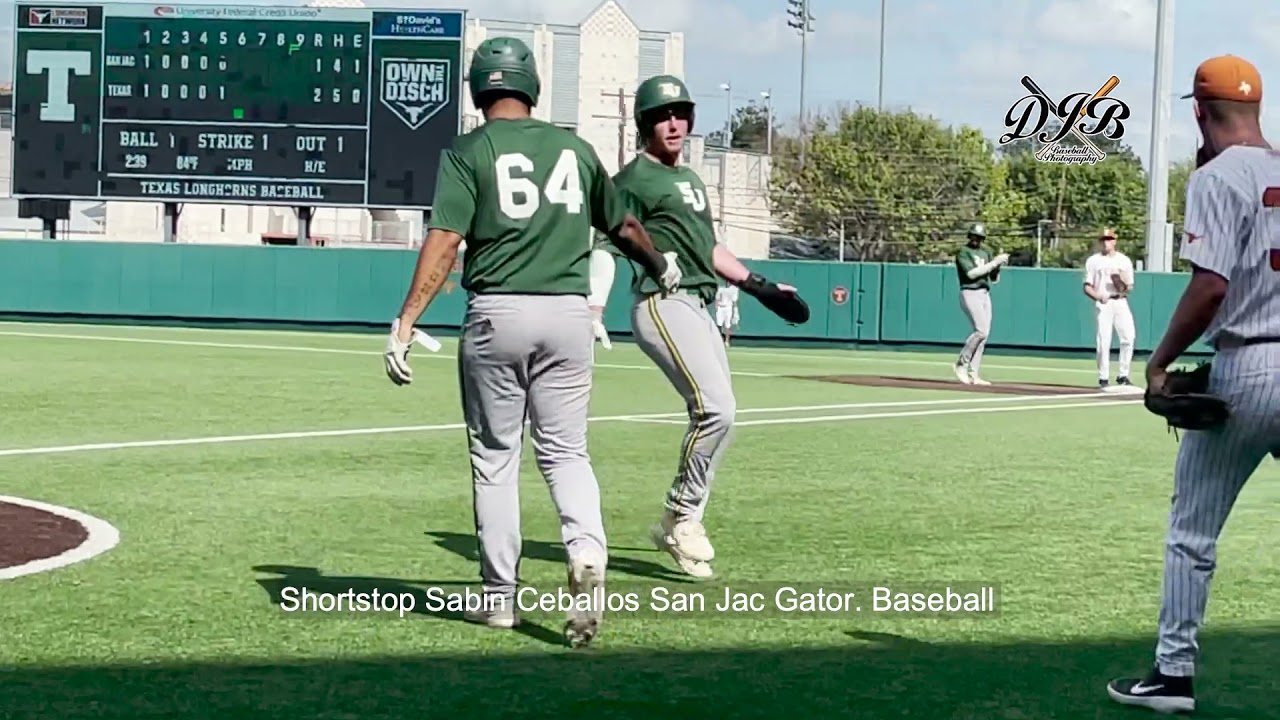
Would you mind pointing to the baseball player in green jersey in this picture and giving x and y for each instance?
(676, 330)
(524, 194)
(977, 270)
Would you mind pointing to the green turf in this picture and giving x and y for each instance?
(1062, 508)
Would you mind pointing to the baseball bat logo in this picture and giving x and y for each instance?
(1030, 114)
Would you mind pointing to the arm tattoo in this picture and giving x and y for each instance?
(435, 262)
(431, 278)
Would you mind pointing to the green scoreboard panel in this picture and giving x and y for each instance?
(253, 105)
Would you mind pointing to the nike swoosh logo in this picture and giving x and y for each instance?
(1141, 689)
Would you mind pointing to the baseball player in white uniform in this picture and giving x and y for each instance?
(727, 311)
(1232, 240)
(1108, 280)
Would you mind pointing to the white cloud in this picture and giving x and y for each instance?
(1128, 24)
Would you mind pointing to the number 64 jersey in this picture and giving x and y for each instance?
(525, 195)
(1232, 229)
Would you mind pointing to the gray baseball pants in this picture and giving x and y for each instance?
(528, 356)
(678, 333)
(977, 307)
(1211, 470)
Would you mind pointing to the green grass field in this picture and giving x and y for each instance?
(1060, 502)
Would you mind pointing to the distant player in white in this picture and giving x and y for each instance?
(1108, 280)
(1232, 240)
(727, 311)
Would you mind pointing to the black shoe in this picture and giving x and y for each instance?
(1162, 693)
(1104, 384)
(1123, 381)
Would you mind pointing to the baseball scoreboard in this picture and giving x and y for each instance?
(298, 106)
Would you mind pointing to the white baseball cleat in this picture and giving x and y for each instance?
(586, 577)
(686, 541)
(693, 568)
(962, 373)
(495, 614)
(975, 380)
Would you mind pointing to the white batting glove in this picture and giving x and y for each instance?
(1002, 258)
(395, 358)
(601, 334)
(670, 279)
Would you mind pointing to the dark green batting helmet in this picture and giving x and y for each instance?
(659, 92)
(977, 230)
(505, 65)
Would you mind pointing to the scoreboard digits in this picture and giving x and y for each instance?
(260, 105)
(265, 75)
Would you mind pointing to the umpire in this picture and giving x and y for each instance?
(977, 270)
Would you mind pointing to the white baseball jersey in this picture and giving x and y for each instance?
(1232, 229)
(726, 297)
(1099, 268)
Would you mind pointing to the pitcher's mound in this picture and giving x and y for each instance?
(999, 388)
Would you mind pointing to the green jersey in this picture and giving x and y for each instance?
(967, 259)
(525, 195)
(671, 203)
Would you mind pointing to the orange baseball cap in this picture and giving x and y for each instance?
(1227, 77)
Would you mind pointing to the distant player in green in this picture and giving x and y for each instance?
(676, 330)
(977, 270)
(524, 195)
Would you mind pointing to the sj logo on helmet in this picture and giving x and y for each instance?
(670, 90)
(415, 89)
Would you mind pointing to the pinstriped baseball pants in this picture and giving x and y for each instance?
(1212, 468)
(679, 335)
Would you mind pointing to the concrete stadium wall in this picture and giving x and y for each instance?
(852, 303)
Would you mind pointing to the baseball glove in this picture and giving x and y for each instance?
(781, 300)
(1186, 402)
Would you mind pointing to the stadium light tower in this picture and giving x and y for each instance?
(802, 22)
(1159, 231)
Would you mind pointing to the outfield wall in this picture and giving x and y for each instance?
(852, 303)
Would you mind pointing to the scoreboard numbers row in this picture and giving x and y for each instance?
(202, 62)
(297, 41)
(184, 92)
(185, 62)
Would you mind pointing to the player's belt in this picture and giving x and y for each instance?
(1233, 343)
(694, 292)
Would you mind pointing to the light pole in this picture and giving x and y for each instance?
(722, 186)
(768, 121)
(880, 83)
(802, 21)
(1040, 238)
(728, 114)
(1159, 231)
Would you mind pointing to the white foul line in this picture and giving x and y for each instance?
(852, 356)
(661, 418)
(295, 348)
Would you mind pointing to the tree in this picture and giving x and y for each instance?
(751, 128)
(901, 186)
(1179, 174)
(1080, 199)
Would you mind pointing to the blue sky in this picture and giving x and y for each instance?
(960, 61)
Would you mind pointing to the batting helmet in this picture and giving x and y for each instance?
(659, 92)
(977, 230)
(504, 65)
